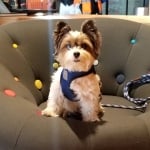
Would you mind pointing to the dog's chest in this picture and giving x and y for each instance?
(88, 85)
(77, 84)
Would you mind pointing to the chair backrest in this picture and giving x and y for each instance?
(124, 53)
(24, 51)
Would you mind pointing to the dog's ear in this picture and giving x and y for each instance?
(62, 28)
(89, 28)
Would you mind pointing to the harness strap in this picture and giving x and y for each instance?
(67, 77)
(140, 102)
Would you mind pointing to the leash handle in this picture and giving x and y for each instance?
(141, 103)
(144, 79)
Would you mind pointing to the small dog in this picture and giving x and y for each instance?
(75, 85)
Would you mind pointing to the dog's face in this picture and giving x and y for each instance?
(77, 51)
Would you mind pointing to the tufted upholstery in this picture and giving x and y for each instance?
(25, 66)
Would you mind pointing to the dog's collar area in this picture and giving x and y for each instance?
(67, 77)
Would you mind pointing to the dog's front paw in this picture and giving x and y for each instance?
(49, 113)
(101, 112)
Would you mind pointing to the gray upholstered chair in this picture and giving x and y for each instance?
(26, 65)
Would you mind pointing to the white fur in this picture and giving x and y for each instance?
(75, 34)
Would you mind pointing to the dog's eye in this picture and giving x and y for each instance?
(68, 46)
(84, 46)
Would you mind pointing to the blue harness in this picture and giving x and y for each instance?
(67, 77)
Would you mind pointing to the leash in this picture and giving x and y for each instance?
(141, 103)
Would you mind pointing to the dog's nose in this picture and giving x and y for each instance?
(76, 54)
